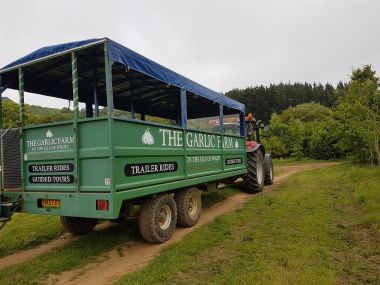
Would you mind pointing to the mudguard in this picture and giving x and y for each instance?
(252, 146)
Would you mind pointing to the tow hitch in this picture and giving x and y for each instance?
(7, 209)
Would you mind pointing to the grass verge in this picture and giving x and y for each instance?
(78, 253)
(320, 227)
(26, 231)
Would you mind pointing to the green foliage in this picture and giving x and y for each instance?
(308, 112)
(359, 116)
(263, 101)
(351, 128)
(33, 114)
(304, 130)
(276, 146)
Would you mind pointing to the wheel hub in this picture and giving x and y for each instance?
(164, 217)
(259, 170)
(192, 206)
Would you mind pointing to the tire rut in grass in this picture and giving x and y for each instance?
(133, 256)
(28, 254)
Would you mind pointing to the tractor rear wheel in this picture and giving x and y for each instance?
(158, 218)
(254, 180)
(78, 226)
(189, 206)
(268, 166)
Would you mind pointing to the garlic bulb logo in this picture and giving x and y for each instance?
(147, 137)
(236, 144)
(49, 134)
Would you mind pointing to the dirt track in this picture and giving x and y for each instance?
(133, 256)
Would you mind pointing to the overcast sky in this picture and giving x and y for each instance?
(220, 44)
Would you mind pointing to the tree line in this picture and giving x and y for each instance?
(350, 127)
(263, 101)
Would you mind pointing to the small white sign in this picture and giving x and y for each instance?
(107, 181)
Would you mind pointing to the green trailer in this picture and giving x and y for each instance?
(145, 136)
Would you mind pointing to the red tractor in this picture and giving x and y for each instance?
(259, 163)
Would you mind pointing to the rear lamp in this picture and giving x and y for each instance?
(102, 205)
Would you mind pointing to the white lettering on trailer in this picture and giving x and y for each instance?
(174, 138)
(171, 137)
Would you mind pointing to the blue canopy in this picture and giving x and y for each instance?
(133, 60)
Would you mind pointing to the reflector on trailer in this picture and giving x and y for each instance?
(102, 205)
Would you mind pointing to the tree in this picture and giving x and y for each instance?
(304, 130)
(359, 116)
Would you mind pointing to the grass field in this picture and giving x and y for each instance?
(319, 227)
(74, 254)
(27, 231)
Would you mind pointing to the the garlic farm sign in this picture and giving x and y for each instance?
(50, 142)
(177, 138)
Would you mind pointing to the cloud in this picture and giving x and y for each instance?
(220, 44)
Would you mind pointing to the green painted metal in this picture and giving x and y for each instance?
(160, 158)
(1, 105)
(1, 144)
(105, 158)
(74, 78)
(22, 121)
(21, 95)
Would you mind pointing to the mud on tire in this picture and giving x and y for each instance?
(78, 226)
(254, 180)
(158, 218)
(189, 206)
(268, 166)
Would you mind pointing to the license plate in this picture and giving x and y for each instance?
(51, 203)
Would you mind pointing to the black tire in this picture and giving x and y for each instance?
(189, 206)
(78, 226)
(268, 166)
(254, 180)
(154, 222)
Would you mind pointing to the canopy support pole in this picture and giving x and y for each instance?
(96, 92)
(21, 95)
(242, 124)
(1, 107)
(2, 89)
(110, 115)
(74, 80)
(221, 119)
(22, 118)
(133, 113)
(108, 70)
(1, 141)
(183, 109)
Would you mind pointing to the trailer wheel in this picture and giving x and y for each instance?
(158, 218)
(189, 206)
(268, 166)
(78, 226)
(254, 180)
